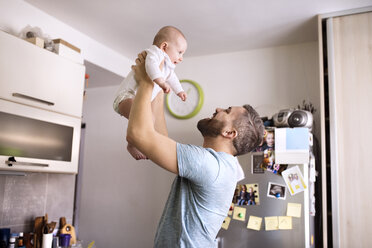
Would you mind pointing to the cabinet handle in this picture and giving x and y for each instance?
(11, 161)
(32, 99)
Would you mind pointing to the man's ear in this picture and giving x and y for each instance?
(163, 46)
(231, 134)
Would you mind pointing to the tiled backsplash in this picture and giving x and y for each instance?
(22, 198)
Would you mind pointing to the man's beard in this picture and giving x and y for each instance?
(210, 127)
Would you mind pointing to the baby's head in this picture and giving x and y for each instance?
(172, 41)
(270, 139)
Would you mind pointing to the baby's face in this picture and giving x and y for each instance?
(270, 139)
(175, 49)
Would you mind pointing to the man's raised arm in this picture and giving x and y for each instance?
(141, 132)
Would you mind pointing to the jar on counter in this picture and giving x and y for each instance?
(12, 242)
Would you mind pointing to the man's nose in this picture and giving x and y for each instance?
(180, 59)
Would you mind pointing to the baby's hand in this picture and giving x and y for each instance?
(182, 95)
(162, 84)
(165, 87)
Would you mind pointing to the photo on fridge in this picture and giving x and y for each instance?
(277, 191)
(246, 194)
(294, 180)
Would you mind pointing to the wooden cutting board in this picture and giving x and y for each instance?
(38, 227)
(69, 229)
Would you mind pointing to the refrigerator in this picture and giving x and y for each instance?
(270, 205)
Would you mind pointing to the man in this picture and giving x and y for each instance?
(202, 192)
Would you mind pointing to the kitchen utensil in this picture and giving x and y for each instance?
(38, 226)
(62, 222)
(47, 240)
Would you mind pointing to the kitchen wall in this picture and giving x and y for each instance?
(122, 199)
(22, 198)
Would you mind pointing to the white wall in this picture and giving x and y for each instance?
(269, 79)
(122, 199)
(17, 14)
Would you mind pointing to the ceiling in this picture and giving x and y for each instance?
(210, 26)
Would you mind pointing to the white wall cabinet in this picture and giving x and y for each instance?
(34, 76)
(41, 100)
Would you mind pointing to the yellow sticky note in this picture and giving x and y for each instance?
(254, 223)
(226, 223)
(239, 213)
(294, 209)
(285, 222)
(271, 223)
(231, 209)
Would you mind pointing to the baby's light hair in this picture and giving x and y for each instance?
(166, 33)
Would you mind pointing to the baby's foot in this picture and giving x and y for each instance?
(136, 154)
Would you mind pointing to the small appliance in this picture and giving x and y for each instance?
(300, 118)
(293, 118)
(281, 118)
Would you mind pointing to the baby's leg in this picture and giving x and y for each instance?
(125, 106)
(124, 109)
(136, 154)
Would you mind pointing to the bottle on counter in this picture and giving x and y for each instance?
(20, 241)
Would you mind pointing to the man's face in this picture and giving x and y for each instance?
(222, 118)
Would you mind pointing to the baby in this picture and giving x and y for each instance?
(167, 51)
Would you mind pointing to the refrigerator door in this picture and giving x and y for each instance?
(238, 235)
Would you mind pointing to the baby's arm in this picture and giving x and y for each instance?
(152, 65)
(175, 84)
(164, 85)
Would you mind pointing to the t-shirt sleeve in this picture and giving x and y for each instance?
(197, 164)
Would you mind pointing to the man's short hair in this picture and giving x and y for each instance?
(250, 131)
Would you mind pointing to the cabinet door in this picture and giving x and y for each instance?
(350, 94)
(38, 140)
(34, 76)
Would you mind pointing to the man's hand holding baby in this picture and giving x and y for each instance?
(139, 69)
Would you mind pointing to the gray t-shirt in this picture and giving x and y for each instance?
(199, 199)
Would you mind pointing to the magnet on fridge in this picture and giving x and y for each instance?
(239, 213)
(231, 209)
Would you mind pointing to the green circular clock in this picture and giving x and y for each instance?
(189, 108)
